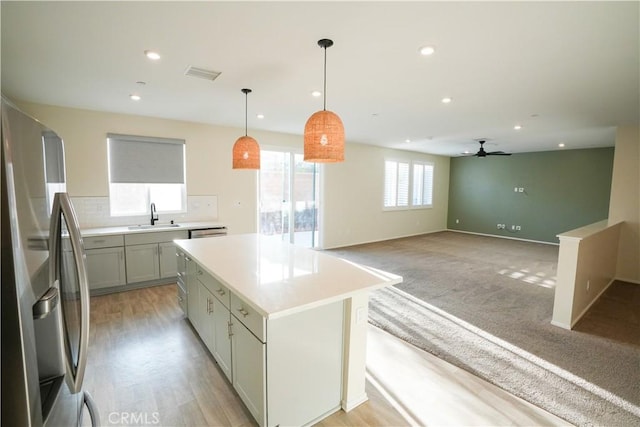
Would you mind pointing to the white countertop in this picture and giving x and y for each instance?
(103, 231)
(278, 278)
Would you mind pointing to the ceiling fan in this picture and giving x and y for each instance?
(482, 153)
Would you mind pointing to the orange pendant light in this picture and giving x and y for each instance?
(246, 151)
(324, 131)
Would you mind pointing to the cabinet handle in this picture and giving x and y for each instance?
(179, 298)
(244, 312)
(99, 241)
(221, 292)
(199, 272)
(229, 325)
(186, 258)
(209, 309)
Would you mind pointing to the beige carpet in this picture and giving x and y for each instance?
(485, 304)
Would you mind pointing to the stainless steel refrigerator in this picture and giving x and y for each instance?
(45, 297)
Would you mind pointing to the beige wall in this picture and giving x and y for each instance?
(353, 197)
(353, 190)
(625, 201)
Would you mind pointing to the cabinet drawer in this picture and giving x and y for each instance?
(155, 237)
(220, 291)
(97, 242)
(248, 317)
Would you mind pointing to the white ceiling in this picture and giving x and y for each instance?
(565, 71)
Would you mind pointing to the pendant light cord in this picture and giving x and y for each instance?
(246, 103)
(324, 106)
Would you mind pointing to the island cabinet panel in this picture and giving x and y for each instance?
(191, 286)
(248, 365)
(222, 337)
(304, 365)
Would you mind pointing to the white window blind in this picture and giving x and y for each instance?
(145, 170)
(141, 159)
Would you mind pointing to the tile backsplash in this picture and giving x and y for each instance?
(94, 212)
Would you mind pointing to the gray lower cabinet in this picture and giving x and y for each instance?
(222, 338)
(105, 261)
(152, 256)
(142, 263)
(249, 370)
(106, 267)
(167, 256)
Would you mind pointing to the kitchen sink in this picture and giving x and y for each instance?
(152, 227)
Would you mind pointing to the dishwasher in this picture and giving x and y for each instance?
(199, 233)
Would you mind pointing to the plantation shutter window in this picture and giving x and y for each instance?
(422, 184)
(396, 184)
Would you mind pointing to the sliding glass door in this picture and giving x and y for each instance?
(288, 198)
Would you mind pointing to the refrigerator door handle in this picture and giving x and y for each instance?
(46, 303)
(92, 408)
(62, 207)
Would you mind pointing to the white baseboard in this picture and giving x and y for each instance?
(347, 406)
(597, 297)
(503, 237)
(561, 325)
(622, 279)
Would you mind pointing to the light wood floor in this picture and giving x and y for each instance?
(147, 366)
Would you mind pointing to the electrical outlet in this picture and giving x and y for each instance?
(513, 228)
(518, 228)
(588, 285)
(515, 189)
(457, 221)
(520, 190)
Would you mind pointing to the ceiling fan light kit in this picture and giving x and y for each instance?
(246, 151)
(324, 131)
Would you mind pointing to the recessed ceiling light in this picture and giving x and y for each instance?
(152, 55)
(316, 93)
(427, 50)
(260, 116)
(561, 145)
(135, 97)
(446, 100)
(517, 127)
(407, 140)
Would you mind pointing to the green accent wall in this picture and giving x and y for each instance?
(562, 190)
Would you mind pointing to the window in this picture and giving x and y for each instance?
(422, 184)
(400, 186)
(53, 152)
(145, 170)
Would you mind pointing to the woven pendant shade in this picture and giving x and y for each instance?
(324, 138)
(324, 131)
(246, 153)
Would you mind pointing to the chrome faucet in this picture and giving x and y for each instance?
(154, 214)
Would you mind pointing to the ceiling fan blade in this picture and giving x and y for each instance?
(498, 153)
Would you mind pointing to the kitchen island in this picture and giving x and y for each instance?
(287, 325)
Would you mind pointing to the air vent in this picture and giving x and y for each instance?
(201, 73)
